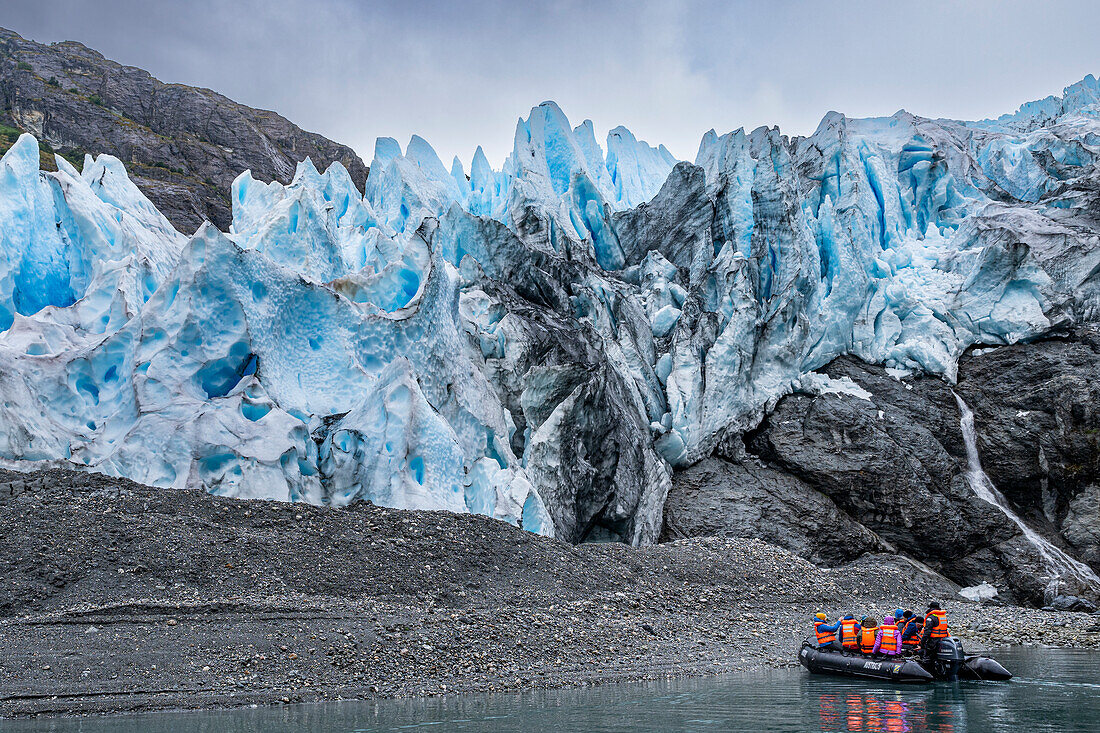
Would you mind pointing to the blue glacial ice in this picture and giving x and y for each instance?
(544, 343)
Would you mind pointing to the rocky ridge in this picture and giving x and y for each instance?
(182, 145)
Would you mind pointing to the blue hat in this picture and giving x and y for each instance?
(898, 613)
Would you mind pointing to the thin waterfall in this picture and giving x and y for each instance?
(1058, 564)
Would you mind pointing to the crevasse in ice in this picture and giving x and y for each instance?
(542, 343)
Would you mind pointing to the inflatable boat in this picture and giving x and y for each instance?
(950, 663)
(894, 669)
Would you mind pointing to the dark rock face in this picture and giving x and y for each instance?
(896, 464)
(891, 471)
(719, 498)
(888, 461)
(671, 223)
(1038, 425)
(1072, 603)
(182, 146)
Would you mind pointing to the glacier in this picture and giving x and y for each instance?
(545, 343)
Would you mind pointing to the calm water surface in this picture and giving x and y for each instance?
(1054, 690)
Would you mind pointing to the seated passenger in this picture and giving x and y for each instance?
(888, 638)
(868, 632)
(826, 632)
(849, 633)
(910, 631)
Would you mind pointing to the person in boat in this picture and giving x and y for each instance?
(941, 615)
(888, 638)
(849, 633)
(826, 633)
(911, 626)
(929, 638)
(868, 631)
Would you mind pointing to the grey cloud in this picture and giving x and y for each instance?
(459, 74)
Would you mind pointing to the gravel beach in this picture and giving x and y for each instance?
(122, 597)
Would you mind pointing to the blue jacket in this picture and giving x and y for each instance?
(835, 628)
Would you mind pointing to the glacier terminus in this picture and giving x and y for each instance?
(547, 343)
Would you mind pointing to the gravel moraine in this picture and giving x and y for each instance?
(123, 598)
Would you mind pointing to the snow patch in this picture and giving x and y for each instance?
(979, 593)
(819, 384)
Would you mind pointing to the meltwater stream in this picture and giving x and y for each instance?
(1058, 564)
(1054, 690)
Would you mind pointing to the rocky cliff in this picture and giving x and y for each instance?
(182, 145)
(1039, 432)
(832, 476)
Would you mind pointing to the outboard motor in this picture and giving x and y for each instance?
(949, 658)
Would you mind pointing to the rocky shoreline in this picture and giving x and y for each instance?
(126, 598)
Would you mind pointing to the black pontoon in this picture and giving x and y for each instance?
(950, 663)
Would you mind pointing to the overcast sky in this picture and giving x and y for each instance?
(461, 73)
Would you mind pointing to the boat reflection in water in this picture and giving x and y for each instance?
(890, 711)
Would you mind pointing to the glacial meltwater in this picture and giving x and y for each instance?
(1054, 690)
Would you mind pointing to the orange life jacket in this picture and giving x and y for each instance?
(867, 639)
(848, 637)
(824, 637)
(914, 640)
(940, 632)
(890, 639)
